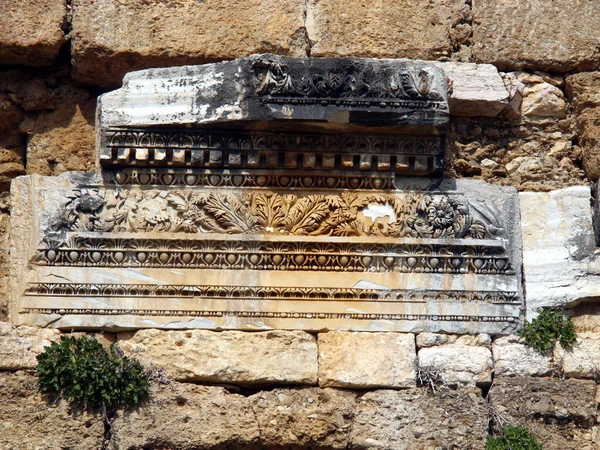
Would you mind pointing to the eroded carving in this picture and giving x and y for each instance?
(341, 214)
(408, 257)
(352, 86)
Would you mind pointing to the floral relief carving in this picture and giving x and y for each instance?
(415, 215)
(281, 81)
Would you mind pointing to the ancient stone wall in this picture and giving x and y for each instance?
(525, 107)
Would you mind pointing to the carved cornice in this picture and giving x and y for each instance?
(268, 255)
(209, 152)
(351, 84)
(267, 293)
(272, 315)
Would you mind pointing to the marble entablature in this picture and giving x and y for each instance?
(269, 192)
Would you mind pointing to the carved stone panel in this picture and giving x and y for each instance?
(432, 255)
(269, 192)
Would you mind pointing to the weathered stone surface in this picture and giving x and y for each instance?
(28, 422)
(417, 419)
(63, 139)
(475, 89)
(257, 292)
(367, 360)
(355, 28)
(560, 264)
(187, 417)
(596, 213)
(12, 154)
(582, 360)
(136, 35)
(531, 153)
(560, 413)
(586, 317)
(304, 418)
(538, 35)
(583, 91)
(19, 346)
(267, 87)
(432, 339)
(276, 357)
(513, 358)
(32, 31)
(4, 256)
(541, 99)
(458, 364)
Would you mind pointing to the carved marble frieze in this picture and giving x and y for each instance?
(269, 192)
(440, 255)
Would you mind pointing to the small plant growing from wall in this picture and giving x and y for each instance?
(547, 328)
(80, 370)
(512, 438)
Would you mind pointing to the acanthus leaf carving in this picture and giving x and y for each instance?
(418, 215)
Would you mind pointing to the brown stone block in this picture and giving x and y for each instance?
(558, 35)
(584, 91)
(384, 29)
(31, 31)
(112, 38)
(186, 416)
(63, 139)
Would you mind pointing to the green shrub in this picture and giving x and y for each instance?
(84, 373)
(546, 329)
(512, 438)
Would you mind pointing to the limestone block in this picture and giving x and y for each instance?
(19, 346)
(476, 89)
(513, 358)
(548, 408)
(458, 364)
(416, 419)
(542, 99)
(29, 422)
(582, 360)
(186, 416)
(583, 89)
(433, 339)
(64, 139)
(367, 360)
(112, 38)
(383, 29)
(559, 249)
(304, 418)
(537, 34)
(32, 31)
(288, 357)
